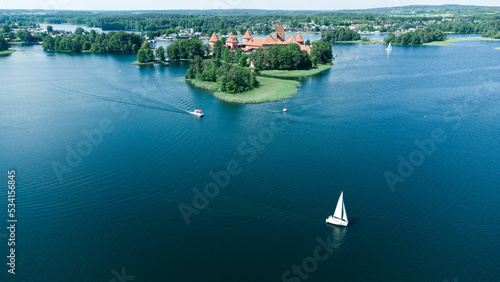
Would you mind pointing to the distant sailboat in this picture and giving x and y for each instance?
(389, 48)
(340, 216)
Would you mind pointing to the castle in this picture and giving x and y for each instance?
(250, 44)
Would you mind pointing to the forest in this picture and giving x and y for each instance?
(416, 37)
(112, 42)
(231, 79)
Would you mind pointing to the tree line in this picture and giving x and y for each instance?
(340, 34)
(112, 42)
(231, 79)
(186, 49)
(416, 37)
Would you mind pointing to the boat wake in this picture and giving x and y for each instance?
(163, 107)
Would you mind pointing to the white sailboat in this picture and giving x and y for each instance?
(340, 216)
(389, 48)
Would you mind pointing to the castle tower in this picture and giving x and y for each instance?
(280, 33)
(299, 39)
(212, 40)
(231, 42)
(247, 37)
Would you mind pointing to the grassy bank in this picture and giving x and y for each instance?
(145, 63)
(269, 89)
(295, 73)
(450, 40)
(6, 52)
(208, 85)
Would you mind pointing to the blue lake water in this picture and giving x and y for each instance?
(105, 153)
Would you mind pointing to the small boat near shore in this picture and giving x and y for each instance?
(389, 48)
(340, 216)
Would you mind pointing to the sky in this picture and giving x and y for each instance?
(226, 4)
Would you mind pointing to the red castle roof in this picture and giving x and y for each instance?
(299, 38)
(214, 38)
(247, 35)
(231, 39)
(269, 40)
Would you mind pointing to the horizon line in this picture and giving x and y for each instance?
(239, 9)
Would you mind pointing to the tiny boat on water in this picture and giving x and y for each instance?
(198, 113)
(284, 110)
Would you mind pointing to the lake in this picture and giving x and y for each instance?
(105, 156)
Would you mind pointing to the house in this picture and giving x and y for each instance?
(354, 26)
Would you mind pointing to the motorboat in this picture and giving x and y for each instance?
(198, 113)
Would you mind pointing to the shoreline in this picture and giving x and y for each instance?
(147, 63)
(448, 41)
(296, 73)
(6, 52)
(359, 41)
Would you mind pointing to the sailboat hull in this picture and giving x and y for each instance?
(336, 221)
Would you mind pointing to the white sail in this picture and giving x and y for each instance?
(340, 204)
(344, 215)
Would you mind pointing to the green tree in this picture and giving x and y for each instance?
(79, 31)
(4, 45)
(217, 50)
(6, 29)
(160, 53)
(48, 43)
(150, 56)
(25, 36)
(141, 55)
(145, 45)
(50, 28)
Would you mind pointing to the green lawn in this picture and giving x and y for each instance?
(450, 40)
(295, 73)
(269, 89)
(6, 52)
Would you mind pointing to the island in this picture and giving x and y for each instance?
(257, 69)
